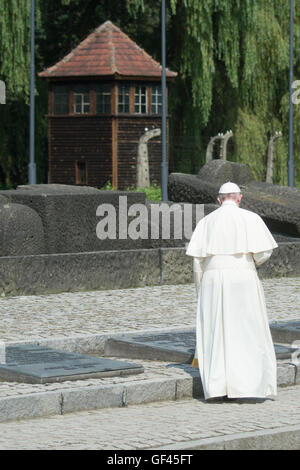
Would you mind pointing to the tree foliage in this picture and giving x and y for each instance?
(14, 57)
(235, 61)
(232, 59)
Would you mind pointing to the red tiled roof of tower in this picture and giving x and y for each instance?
(105, 52)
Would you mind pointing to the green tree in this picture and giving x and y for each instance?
(233, 70)
(232, 59)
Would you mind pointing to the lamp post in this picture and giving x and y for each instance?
(164, 164)
(31, 166)
(291, 160)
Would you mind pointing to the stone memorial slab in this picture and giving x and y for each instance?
(173, 347)
(37, 364)
(285, 331)
(284, 352)
(170, 347)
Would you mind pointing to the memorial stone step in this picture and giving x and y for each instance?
(40, 364)
(173, 347)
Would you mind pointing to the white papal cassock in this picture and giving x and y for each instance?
(234, 348)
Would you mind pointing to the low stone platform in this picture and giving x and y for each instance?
(29, 363)
(162, 408)
(83, 322)
(123, 269)
(285, 331)
(161, 381)
(174, 347)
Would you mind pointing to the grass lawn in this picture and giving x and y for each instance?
(153, 193)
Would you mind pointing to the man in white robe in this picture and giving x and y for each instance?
(234, 347)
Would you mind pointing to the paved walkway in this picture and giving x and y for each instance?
(139, 426)
(71, 314)
(152, 425)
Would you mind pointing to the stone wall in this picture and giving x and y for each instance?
(48, 244)
(68, 216)
(277, 205)
(73, 272)
(63, 219)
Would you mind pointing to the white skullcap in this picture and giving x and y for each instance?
(229, 187)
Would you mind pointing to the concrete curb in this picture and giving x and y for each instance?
(283, 438)
(75, 399)
(131, 392)
(90, 397)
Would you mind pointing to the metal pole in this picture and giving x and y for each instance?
(291, 160)
(31, 166)
(164, 164)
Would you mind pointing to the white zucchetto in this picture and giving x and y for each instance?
(228, 188)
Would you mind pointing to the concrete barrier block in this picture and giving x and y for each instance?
(189, 387)
(286, 374)
(30, 406)
(285, 261)
(149, 391)
(88, 398)
(45, 274)
(176, 266)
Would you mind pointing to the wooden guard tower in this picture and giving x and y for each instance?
(103, 96)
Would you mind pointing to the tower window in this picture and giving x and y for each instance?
(156, 102)
(81, 103)
(123, 99)
(61, 99)
(103, 93)
(140, 100)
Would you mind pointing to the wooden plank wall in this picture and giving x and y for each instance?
(80, 138)
(90, 139)
(129, 132)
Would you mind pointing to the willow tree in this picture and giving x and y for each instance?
(14, 59)
(232, 62)
(232, 57)
(14, 55)
(15, 72)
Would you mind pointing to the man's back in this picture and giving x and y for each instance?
(234, 349)
(230, 230)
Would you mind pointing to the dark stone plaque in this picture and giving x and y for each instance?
(285, 331)
(283, 352)
(170, 347)
(37, 364)
(173, 347)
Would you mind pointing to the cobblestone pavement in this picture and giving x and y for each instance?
(66, 314)
(71, 314)
(139, 426)
(151, 425)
